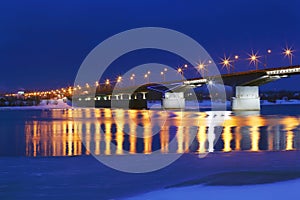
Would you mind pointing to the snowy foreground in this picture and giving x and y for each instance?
(280, 190)
(84, 177)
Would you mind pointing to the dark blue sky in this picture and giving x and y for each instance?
(42, 43)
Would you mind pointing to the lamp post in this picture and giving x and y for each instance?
(163, 76)
(226, 63)
(119, 79)
(269, 51)
(146, 76)
(236, 58)
(288, 52)
(254, 59)
(132, 79)
(180, 71)
(201, 68)
(107, 82)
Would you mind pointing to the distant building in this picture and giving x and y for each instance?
(21, 94)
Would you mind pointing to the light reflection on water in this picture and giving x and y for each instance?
(107, 132)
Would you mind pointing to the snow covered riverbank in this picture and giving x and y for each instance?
(44, 105)
(63, 104)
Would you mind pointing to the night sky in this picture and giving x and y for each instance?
(43, 43)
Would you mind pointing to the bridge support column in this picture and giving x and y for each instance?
(144, 95)
(174, 100)
(246, 98)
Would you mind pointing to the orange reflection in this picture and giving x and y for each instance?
(290, 124)
(201, 137)
(132, 138)
(227, 137)
(63, 136)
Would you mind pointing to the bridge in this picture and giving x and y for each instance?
(172, 94)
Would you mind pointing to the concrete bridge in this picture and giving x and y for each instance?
(244, 84)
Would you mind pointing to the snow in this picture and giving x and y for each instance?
(44, 105)
(279, 190)
(190, 104)
(280, 102)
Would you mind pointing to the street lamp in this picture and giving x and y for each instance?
(254, 59)
(180, 71)
(119, 79)
(201, 68)
(288, 52)
(236, 58)
(163, 76)
(269, 51)
(146, 76)
(132, 79)
(226, 62)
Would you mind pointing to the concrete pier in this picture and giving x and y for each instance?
(174, 100)
(246, 98)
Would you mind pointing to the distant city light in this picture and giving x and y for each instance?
(119, 79)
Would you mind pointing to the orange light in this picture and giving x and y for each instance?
(226, 62)
(119, 79)
(254, 58)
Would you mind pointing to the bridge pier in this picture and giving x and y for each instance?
(246, 98)
(174, 100)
